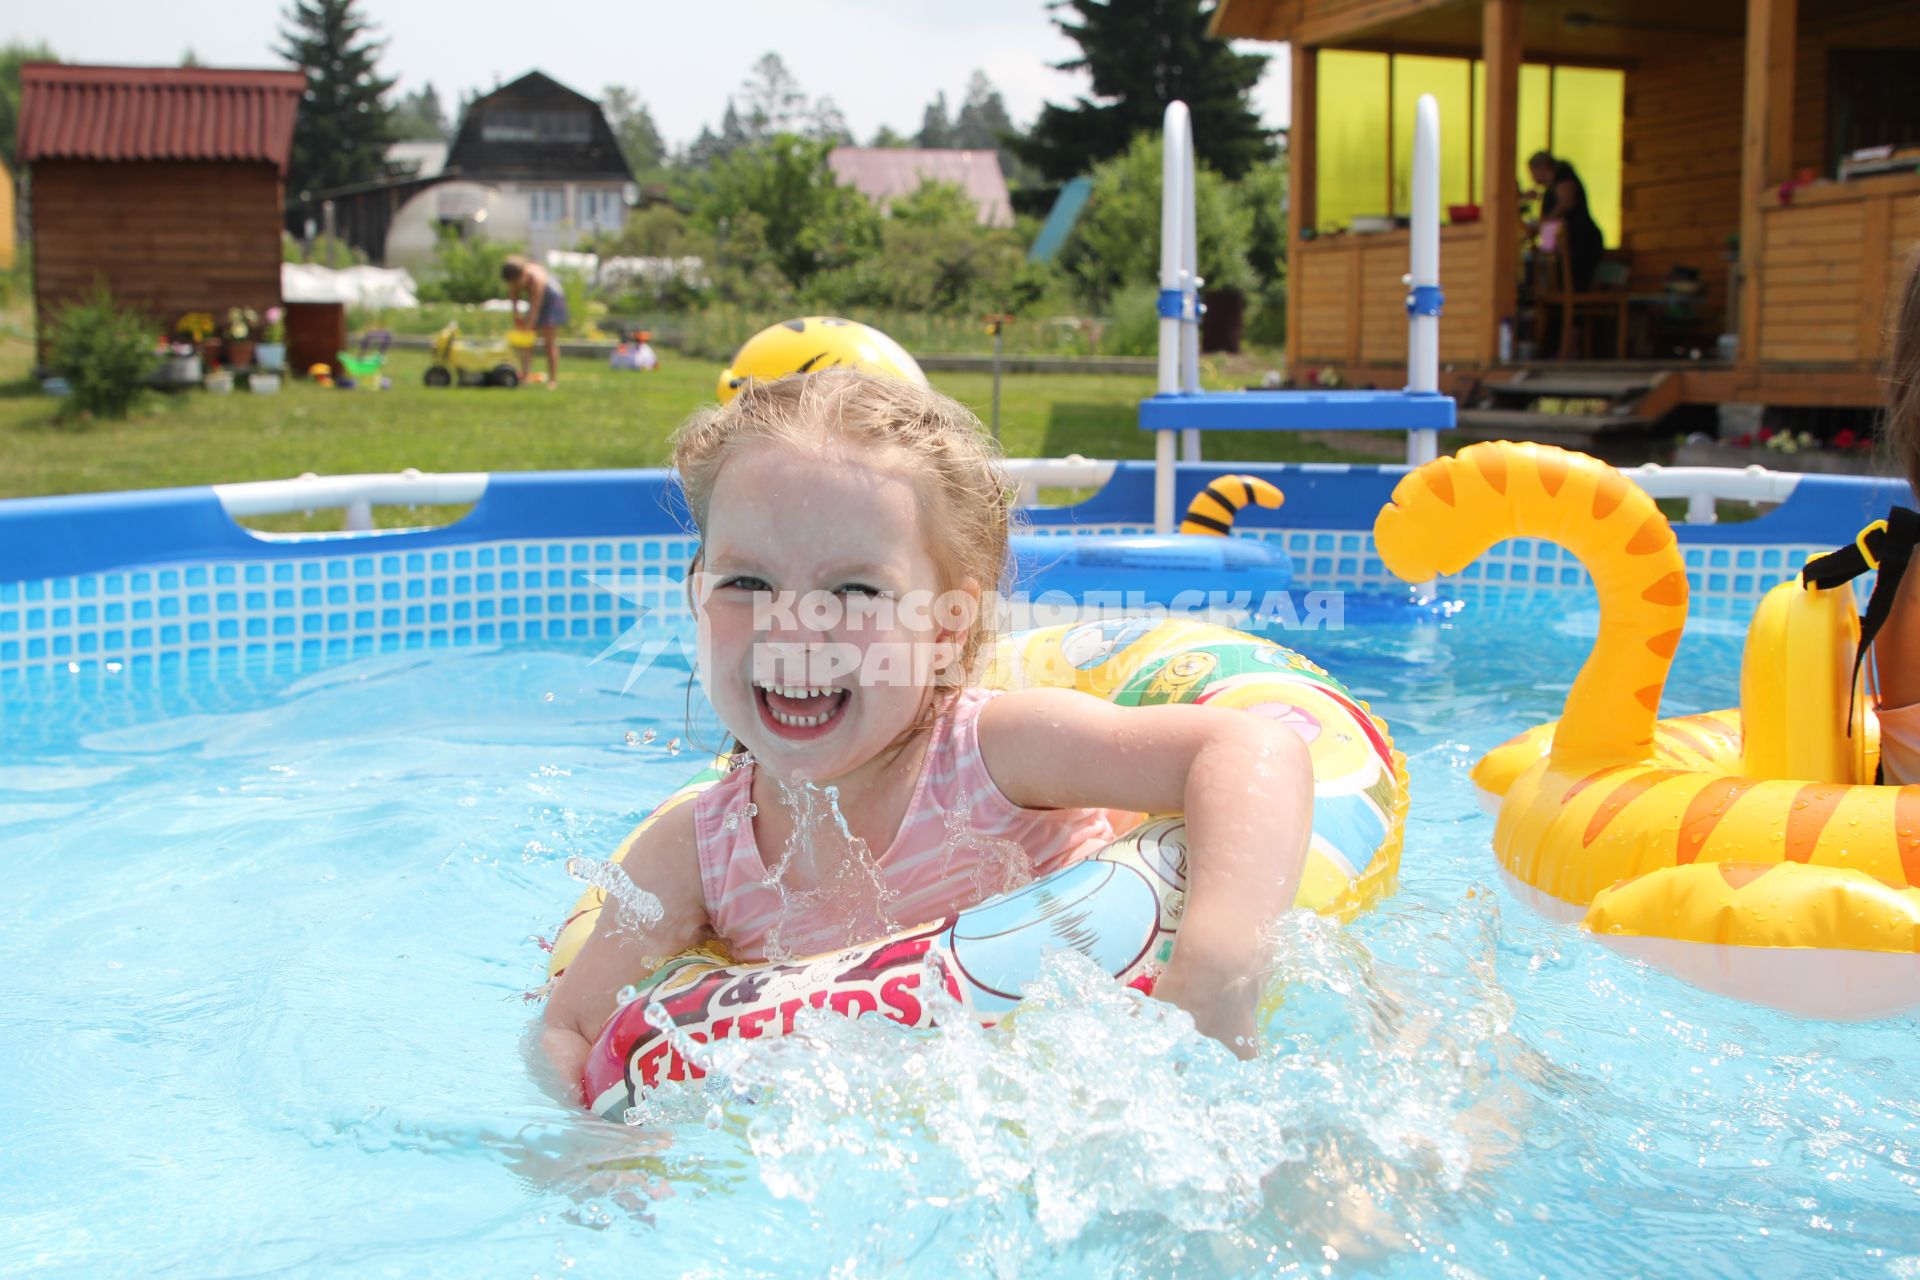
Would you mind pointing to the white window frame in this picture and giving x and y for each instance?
(602, 207)
(543, 201)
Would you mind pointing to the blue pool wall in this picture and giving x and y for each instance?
(127, 580)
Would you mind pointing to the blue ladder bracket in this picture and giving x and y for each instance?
(1425, 300)
(1298, 411)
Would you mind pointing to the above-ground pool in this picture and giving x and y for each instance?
(276, 874)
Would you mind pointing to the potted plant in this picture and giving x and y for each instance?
(240, 327)
(271, 351)
(197, 330)
(179, 362)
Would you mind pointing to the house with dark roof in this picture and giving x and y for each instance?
(163, 182)
(534, 162)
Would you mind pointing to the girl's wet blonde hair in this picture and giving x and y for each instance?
(1903, 377)
(941, 447)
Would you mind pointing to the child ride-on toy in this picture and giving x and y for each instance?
(363, 368)
(475, 364)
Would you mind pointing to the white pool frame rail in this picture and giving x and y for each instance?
(358, 495)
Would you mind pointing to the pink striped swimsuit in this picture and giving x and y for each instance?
(961, 841)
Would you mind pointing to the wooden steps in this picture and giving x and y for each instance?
(1593, 408)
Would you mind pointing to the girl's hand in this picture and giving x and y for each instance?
(1245, 785)
(664, 862)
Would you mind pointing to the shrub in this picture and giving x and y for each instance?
(1133, 326)
(469, 268)
(585, 312)
(1117, 241)
(16, 282)
(326, 251)
(1267, 325)
(104, 351)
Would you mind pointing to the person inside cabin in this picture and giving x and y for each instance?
(1565, 224)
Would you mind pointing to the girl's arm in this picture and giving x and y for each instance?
(1245, 785)
(663, 862)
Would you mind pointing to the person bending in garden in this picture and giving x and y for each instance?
(546, 311)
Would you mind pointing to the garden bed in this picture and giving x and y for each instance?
(1852, 462)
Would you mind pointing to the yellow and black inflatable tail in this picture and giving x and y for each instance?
(1214, 507)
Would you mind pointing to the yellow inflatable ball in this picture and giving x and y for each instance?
(816, 342)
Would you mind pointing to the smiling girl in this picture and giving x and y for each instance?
(850, 527)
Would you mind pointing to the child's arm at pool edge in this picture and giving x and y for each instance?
(1245, 785)
(664, 863)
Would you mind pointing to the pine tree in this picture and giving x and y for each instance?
(420, 115)
(771, 101)
(632, 124)
(341, 134)
(982, 123)
(1141, 55)
(936, 128)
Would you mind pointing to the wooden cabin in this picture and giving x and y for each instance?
(1720, 137)
(162, 182)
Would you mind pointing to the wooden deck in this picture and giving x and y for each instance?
(1715, 123)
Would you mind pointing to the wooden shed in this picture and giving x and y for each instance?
(1733, 152)
(163, 182)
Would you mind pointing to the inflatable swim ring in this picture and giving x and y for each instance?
(1121, 908)
(1744, 851)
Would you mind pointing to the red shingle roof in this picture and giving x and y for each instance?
(157, 113)
(884, 174)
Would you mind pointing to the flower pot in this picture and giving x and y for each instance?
(264, 384)
(270, 355)
(240, 352)
(180, 371)
(219, 382)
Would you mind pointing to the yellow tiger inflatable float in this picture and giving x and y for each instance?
(1745, 851)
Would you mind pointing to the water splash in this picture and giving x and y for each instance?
(1394, 1090)
(999, 865)
(846, 900)
(638, 907)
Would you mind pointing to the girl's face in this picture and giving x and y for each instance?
(819, 607)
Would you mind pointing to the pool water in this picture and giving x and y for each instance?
(268, 935)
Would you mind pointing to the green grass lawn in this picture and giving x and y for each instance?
(594, 418)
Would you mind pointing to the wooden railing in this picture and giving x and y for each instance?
(1353, 299)
(1828, 262)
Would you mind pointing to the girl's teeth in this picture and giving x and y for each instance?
(799, 693)
(796, 691)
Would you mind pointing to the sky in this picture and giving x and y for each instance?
(881, 61)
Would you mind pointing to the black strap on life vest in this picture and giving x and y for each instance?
(1886, 545)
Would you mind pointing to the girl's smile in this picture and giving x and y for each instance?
(800, 713)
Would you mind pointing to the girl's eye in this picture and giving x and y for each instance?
(744, 582)
(864, 589)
